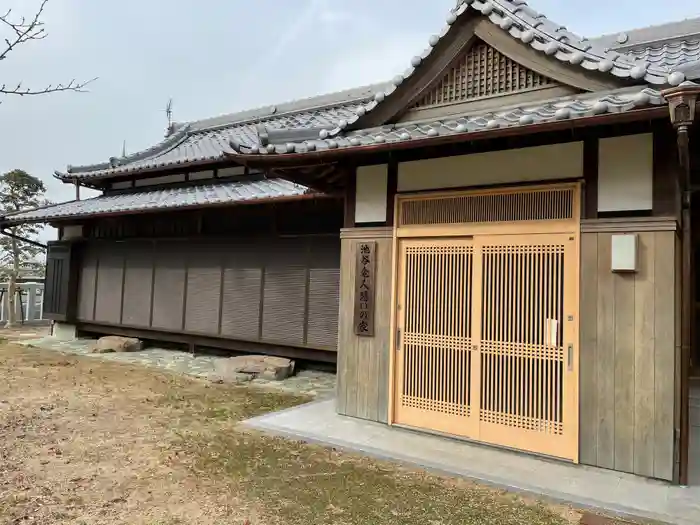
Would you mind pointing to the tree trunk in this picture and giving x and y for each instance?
(12, 287)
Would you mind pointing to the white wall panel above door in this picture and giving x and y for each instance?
(625, 173)
(540, 163)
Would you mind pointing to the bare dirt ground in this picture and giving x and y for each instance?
(93, 442)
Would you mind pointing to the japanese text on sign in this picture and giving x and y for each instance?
(364, 289)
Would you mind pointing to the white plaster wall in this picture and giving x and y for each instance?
(625, 173)
(557, 161)
(201, 175)
(165, 179)
(72, 231)
(233, 170)
(370, 196)
(121, 185)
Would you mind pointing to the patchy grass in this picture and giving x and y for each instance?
(94, 442)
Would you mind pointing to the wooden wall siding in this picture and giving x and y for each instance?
(59, 290)
(87, 284)
(138, 285)
(110, 278)
(363, 362)
(169, 286)
(284, 291)
(628, 356)
(666, 191)
(271, 290)
(241, 293)
(480, 72)
(324, 293)
(203, 290)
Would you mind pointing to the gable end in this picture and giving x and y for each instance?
(482, 72)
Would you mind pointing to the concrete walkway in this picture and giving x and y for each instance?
(620, 494)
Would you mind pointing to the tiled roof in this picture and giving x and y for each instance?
(523, 23)
(660, 55)
(164, 198)
(565, 108)
(671, 55)
(208, 139)
(656, 35)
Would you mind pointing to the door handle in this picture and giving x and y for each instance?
(570, 359)
(398, 339)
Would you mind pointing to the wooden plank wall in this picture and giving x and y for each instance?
(629, 349)
(282, 291)
(363, 380)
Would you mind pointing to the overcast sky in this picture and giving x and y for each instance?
(219, 56)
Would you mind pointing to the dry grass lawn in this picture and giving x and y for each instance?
(84, 441)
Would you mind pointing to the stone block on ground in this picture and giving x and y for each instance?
(114, 343)
(257, 366)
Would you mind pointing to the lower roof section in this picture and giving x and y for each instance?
(238, 192)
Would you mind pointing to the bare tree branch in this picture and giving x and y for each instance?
(71, 86)
(25, 30)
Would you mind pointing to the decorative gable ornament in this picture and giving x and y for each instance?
(482, 72)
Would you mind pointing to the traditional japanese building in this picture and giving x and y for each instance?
(497, 243)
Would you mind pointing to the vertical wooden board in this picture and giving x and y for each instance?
(644, 377)
(324, 293)
(385, 311)
(169, 286)
(347, 341)
(624, 371)
(86, 285)
(284, 294)
(204, 290)
(110, 279)
(241, 300)
(373, 380)
(664, 354)
(605, 365)
(364, 379)
(136, 308)
(589, 394)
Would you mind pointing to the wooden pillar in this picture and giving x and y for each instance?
(350, 196)
(363, 380)
(590, 177)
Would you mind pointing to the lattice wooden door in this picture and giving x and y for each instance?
(435, 330)
(487, 340)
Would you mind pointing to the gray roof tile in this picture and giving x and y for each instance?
(658, 55)
(163, 198)
(523, 23)
(656, 34)
(564, 108)
(208, 140)
(671, 55)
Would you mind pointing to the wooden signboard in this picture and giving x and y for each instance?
(364, 288)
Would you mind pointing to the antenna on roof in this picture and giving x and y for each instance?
(169, 112)
(169, 116)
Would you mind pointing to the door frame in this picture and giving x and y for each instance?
(570, 226)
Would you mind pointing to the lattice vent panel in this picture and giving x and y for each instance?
(522, 351)
(534, 205)
(437, 328)
(482, 72)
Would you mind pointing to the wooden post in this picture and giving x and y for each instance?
(682, 101)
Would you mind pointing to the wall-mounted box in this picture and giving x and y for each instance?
(624, 253)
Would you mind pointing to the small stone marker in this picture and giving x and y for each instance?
(114, 343)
